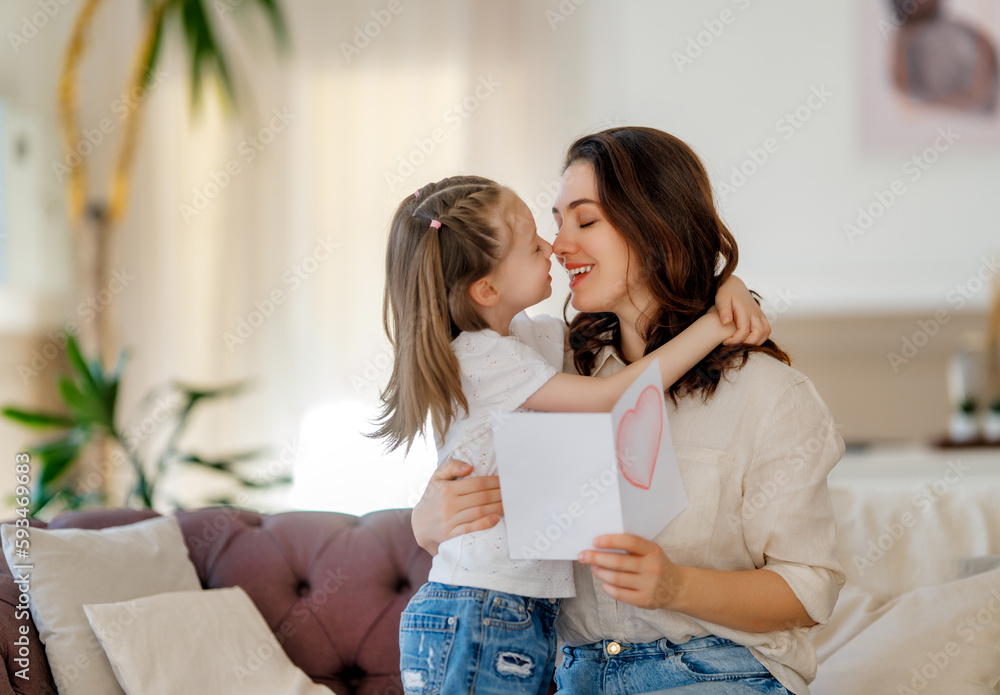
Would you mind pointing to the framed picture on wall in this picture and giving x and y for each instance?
(930, 73)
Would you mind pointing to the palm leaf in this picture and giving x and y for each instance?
(198, 394)
(37, 418)
(56, 456)
(86, 410)
(88, 377)
(110, 383)
(226, 463)
(204, 51)
(154, 51)
(278, 26)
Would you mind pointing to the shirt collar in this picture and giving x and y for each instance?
(606, 352)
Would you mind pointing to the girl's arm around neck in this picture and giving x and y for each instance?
(571, 393)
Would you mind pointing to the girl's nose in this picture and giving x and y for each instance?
(546, 248)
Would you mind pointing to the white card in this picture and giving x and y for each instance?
(566, 478)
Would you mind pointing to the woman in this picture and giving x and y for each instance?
(721, 600)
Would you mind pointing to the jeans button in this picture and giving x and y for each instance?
(613, 648)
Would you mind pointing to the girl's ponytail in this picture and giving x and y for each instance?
(442, 239)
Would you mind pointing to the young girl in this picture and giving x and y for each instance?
(464, 261)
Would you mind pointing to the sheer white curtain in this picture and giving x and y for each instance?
(258, 241)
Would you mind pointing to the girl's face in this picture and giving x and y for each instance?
(522, 279)
(593, 253)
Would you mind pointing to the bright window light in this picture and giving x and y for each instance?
(339, 469)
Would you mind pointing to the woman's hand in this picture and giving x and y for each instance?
(734, 300)
(755, 600)
(643, 576)
(453, 504)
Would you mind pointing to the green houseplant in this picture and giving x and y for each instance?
(991, 422)
(962, 427)
(94, 217)
(90, 395)
(88, 432)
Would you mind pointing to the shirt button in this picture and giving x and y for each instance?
(613, 648)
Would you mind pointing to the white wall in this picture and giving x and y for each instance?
(789, 216)
(37, 274)
(567, 67)
(571, 66)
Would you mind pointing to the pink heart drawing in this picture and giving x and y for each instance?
(638, 440)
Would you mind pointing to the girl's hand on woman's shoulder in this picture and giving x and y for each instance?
(734, 301)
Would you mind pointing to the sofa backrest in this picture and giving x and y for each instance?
(904, 525)
(331, 586)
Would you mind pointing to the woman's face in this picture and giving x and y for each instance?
(593, 253)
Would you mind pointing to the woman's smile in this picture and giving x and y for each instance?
(585, 240)
(577, 272)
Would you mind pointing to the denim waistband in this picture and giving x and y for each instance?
(436, 590)
(599, 650)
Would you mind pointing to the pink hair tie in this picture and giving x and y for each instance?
(436, 224)
(417, 194)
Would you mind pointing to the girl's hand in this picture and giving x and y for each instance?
(734, 300)
(643, 576)
(453, 504)
(726, 329)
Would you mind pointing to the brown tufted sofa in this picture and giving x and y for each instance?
(331, 586)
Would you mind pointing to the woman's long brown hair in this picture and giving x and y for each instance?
(428, 273)
(655, 192)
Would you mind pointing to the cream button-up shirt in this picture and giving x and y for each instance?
(754, 461)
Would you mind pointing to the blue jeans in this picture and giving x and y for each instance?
(456, 639)
(701, 665)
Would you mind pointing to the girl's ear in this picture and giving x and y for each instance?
(484, 293)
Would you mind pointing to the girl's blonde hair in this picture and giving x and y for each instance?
(428, 273)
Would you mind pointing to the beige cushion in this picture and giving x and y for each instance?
(196, 642)
(895, 536)
(977, 565)
(72, 567)
(938, 640)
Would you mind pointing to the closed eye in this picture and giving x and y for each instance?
(584, 226)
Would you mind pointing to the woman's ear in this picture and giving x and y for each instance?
(484, 293)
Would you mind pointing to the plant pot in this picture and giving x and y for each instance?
(962, 428)
(991, 426)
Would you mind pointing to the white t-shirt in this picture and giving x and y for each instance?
(498, 374)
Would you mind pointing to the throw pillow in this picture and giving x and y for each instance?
(196, 642)
(71, 567)
(969, 566)
(937, 640)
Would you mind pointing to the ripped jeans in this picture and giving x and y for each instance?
(456, 639)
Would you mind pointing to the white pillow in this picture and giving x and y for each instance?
(938, 640)
(71, 567)
(196, 642)
(856, 609)
(969, 566)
